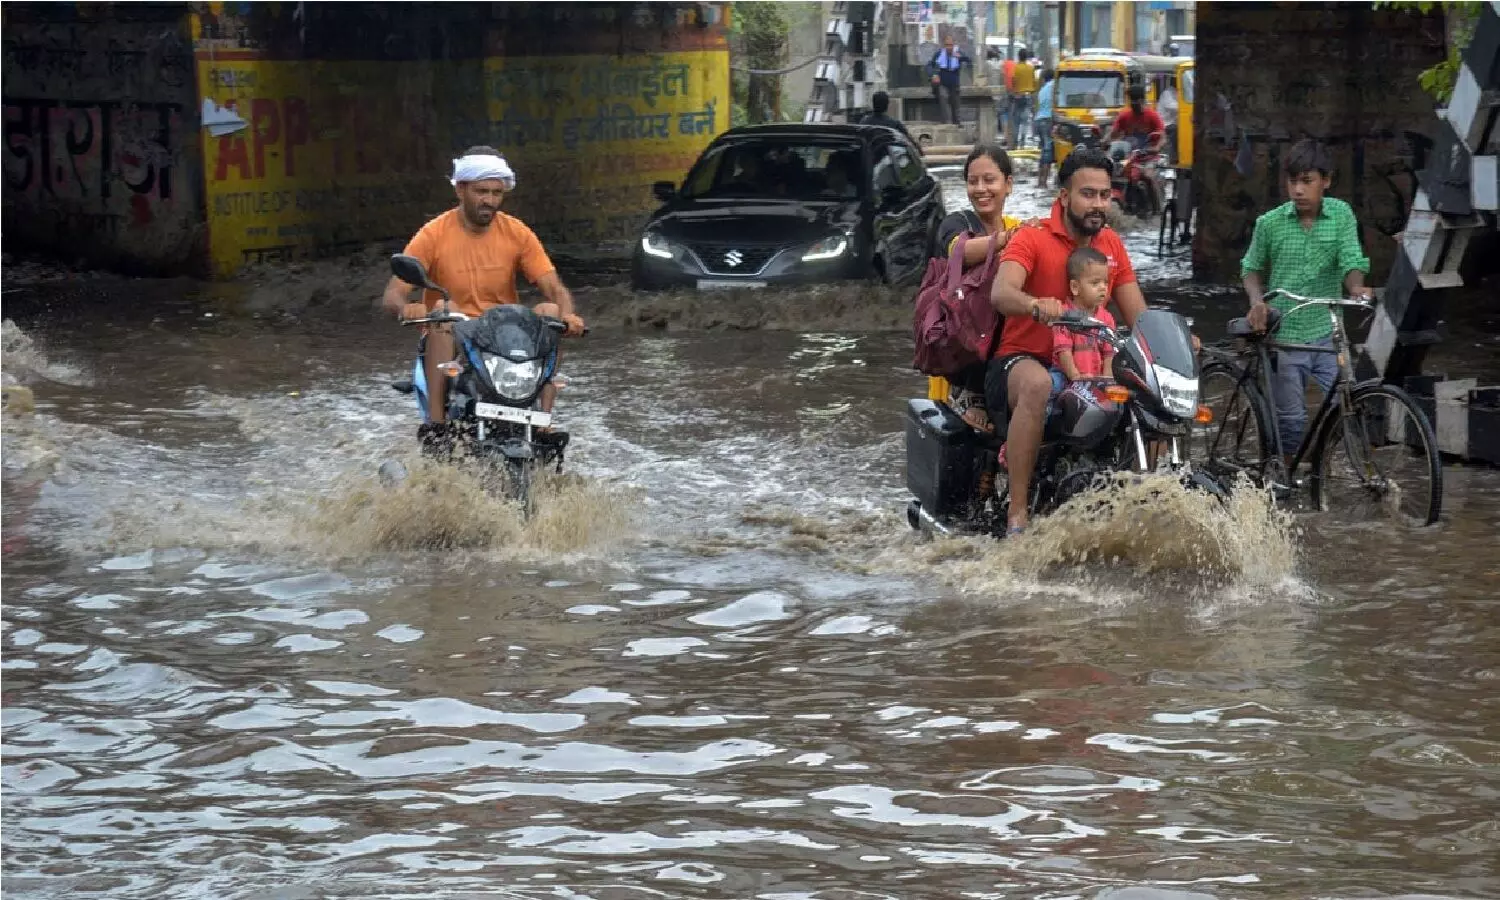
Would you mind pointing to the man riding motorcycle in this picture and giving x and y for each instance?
(474, 251)
(1029, 291)
(1139, 124)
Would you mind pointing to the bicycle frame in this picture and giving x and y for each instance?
(1337, 396)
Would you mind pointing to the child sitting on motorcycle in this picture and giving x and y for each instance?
(1082, 356)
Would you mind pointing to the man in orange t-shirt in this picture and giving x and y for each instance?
(1029, 291)
(475, 251)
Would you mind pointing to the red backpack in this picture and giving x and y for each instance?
(955, 325)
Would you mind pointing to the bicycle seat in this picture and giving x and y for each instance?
(1241, 327)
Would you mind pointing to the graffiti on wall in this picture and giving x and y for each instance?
(1274, 83)
(93, 153)
(95, 127)
(589, 134)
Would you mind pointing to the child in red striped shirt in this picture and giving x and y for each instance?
(1083, 356)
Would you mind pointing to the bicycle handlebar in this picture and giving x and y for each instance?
(1302, 301)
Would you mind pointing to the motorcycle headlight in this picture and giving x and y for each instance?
(515, 381)
(658, 246)
(1179, 393)
(831, 247)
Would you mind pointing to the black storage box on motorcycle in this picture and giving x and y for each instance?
(944, 458)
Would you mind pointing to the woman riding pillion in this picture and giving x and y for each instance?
(474, 251)
(988, 178)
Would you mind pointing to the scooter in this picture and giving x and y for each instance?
(1135, 424)
(506, 357)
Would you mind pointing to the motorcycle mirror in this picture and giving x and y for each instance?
(410, 270)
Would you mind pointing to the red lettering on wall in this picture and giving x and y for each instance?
(294, 118)
(265, 128)
(232, 151)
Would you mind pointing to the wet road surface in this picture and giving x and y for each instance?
(717, 666)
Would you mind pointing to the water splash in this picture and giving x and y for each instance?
(1150, 525)
(24, 361)
(455, 507)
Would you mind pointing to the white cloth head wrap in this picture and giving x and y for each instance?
(481, 167)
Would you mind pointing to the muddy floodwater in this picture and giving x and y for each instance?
(716, 665)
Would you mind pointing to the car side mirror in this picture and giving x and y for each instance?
(665, 191)
(410, 270)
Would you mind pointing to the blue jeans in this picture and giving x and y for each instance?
(1289, 388)
(1020, 108)
(1043, 128)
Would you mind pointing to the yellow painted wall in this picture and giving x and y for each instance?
(337, 155)
(333, 156)
(588, 134)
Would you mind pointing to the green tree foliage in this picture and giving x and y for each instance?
(1462, 17)
(759, 31)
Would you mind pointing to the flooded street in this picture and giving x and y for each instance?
(717, 665)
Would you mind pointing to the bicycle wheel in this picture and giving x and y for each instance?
(1379, 460)
(1238, 439)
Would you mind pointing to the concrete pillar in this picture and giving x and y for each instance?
(988, 123)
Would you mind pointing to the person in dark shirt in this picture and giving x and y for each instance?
(881, 104)
(944, 68)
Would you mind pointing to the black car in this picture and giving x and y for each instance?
(793, 204)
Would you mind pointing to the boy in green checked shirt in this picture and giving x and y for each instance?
(1309, 246)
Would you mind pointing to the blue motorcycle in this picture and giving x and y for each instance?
(506, 358)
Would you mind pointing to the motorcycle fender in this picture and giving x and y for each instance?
(517, 449)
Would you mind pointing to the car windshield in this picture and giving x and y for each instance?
(1090, 89)
(781, 170)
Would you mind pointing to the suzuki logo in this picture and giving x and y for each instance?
(734, 257)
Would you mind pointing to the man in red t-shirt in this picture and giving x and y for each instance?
(1138, 123)
(1029, 291)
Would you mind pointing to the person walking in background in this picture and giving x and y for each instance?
(1166, 107)
(1043, 126)
(1008, 69)
(1022, 86)
(944, 68)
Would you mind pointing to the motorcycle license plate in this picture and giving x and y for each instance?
(532, 417)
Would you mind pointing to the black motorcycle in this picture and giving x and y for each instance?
(506, 357)
(1135, 424)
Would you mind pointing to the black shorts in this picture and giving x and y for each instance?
(997, 386)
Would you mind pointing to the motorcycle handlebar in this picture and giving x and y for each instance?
(436, 320)
(559, 326)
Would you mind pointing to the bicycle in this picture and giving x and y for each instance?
(1368, 444)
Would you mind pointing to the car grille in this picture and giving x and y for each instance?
(716, 258)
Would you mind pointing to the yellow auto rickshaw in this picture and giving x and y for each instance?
(1089, 94)
(1186, 77)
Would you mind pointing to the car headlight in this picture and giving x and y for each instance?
(1179, 393)
(656, 245)
(830, 247)
(515, 381)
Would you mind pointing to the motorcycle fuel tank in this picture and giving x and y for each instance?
(1084, 416)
